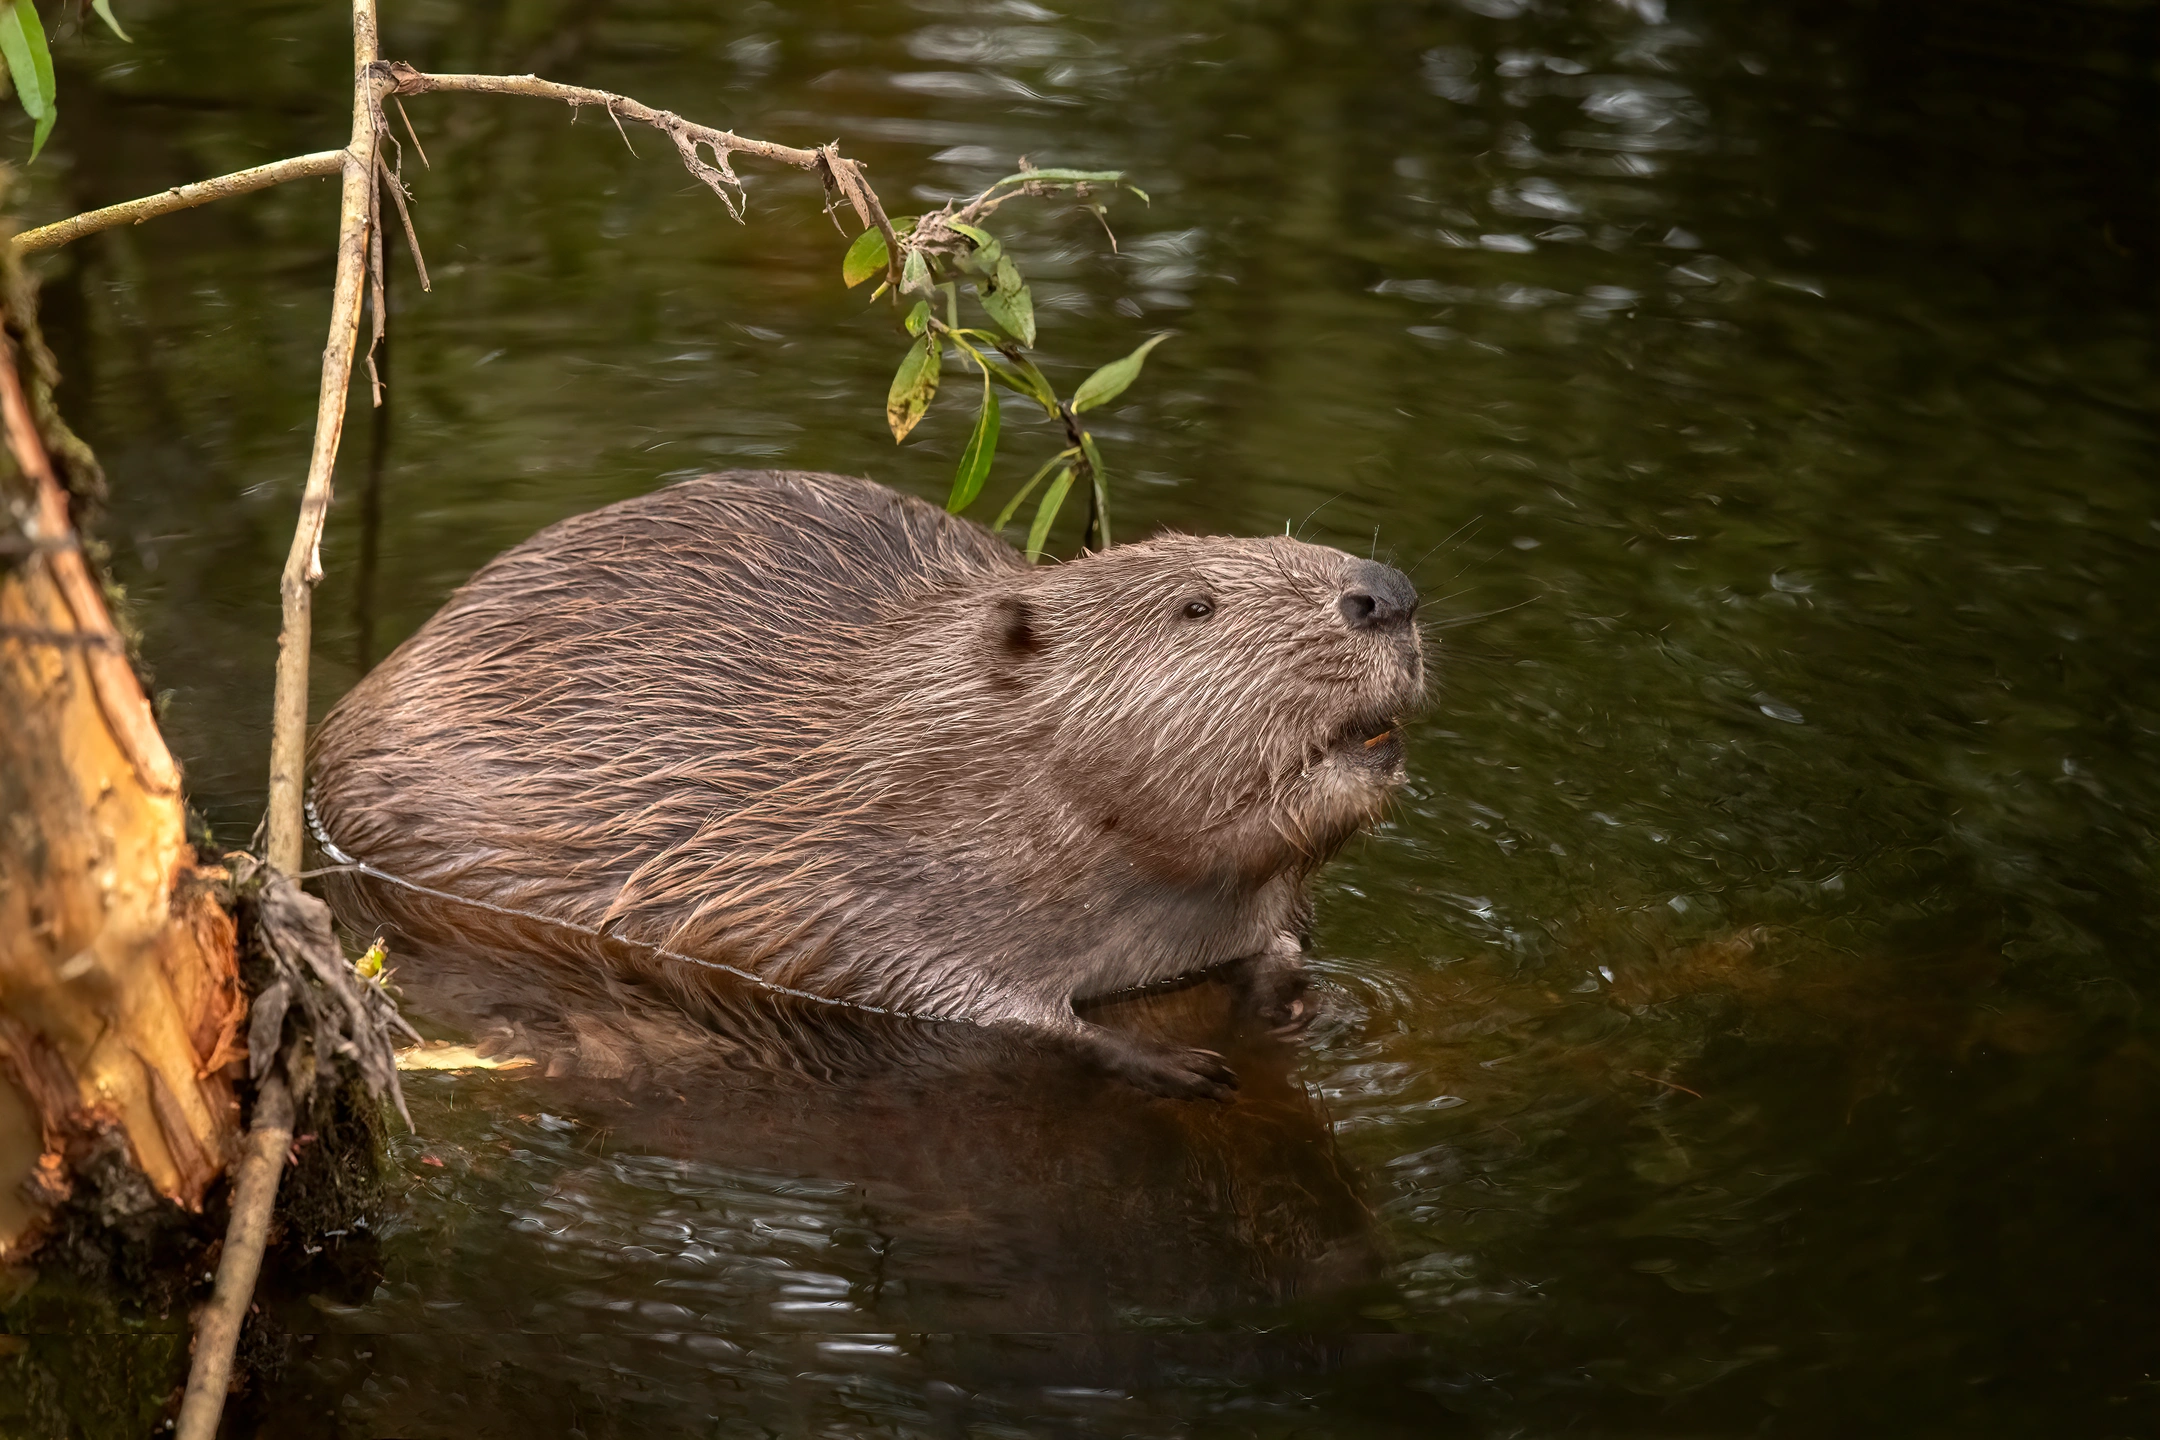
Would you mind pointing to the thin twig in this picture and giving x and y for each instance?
(610, 115)
(414, 136)
(217, 1328)
(1656, 1080)
(375, 299)
(1104, 220)
(303, 563)
(180, 197)
(412, 241)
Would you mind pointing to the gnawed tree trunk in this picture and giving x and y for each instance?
(120, 1000)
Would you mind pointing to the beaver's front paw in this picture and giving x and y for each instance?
(1273, 986)
(1179, 1074)
(1169, 1070)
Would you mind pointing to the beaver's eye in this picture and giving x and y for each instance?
(1199, 609)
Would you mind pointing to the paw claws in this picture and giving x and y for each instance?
(1188, 1075)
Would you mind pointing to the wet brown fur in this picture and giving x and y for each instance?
(833, 736)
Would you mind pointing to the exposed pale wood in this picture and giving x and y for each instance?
(119, 994)
(126, 709)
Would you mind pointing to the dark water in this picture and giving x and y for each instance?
(1747, 1024)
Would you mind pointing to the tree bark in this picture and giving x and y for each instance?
(120, 1000)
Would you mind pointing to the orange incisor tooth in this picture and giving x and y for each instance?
(1378, 738)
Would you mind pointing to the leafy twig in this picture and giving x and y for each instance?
(936, 251)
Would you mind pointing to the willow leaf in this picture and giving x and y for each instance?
(865, 258)
(981, 450)
(914, 386)
(1109, 382)
(1099, 477)
(104, 10)
(1012, 506)
(1053, 500)
(1008, 302)
(29, 62)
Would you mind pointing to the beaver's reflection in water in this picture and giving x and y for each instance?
(964, 1214)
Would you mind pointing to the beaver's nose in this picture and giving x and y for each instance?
(1378, 597)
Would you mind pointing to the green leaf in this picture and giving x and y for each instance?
(918, 319)
(914, 272)
(1099, 477)
(1012, 506)
(865, 258)
(869, 256)
(983, 259)
(1109, 382)
(914, 386)
(981, 448)
(29, 63)
(104, 10)
(1053, 499)
(1008, 302)
(44, 128)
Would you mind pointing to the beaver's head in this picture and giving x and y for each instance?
(1225, 707)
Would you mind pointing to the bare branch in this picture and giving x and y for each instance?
(217, 1330)
(180, 197)
(840, 175)
(408, 81)
(303, 563)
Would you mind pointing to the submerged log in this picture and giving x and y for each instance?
(120, 997)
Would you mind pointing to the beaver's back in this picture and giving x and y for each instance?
(667, 662)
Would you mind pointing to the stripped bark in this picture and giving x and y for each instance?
(120, 1001)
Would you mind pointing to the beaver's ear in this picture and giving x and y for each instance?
(1010, 632)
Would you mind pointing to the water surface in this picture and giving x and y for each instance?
(1746, 1023)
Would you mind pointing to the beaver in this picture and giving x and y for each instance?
(807, 729)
